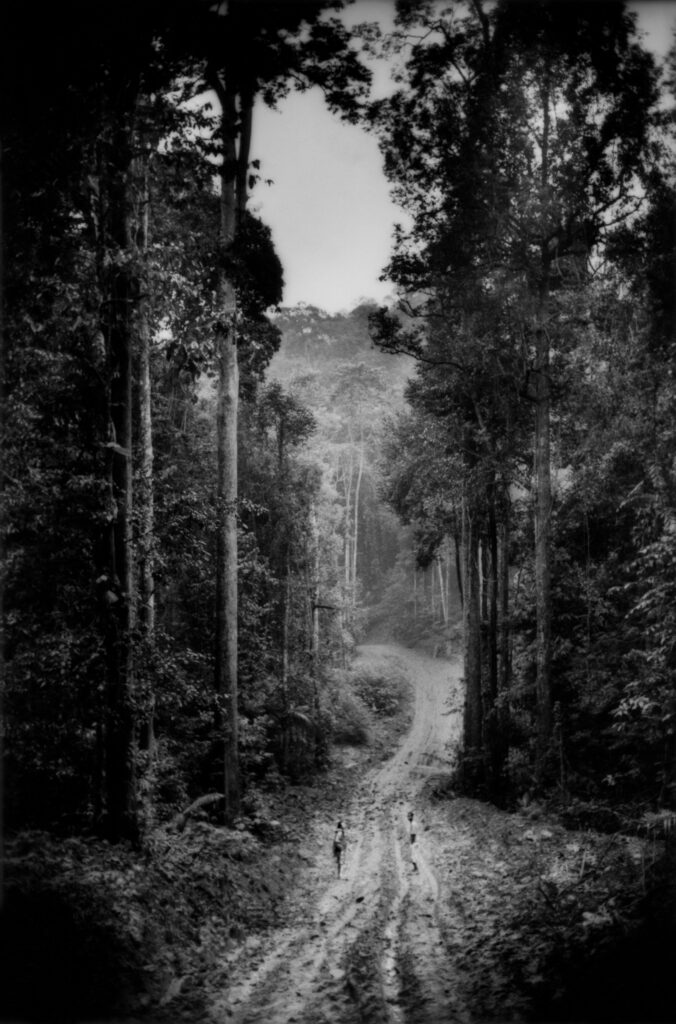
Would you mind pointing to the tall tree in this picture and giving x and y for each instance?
(118, 218)
(483, 147)
(236, 110)
(469, 402)
(252, 50)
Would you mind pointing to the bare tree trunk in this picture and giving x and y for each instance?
(145, 500)
(543, 505)
(319, 743)
(226, 546)
(442, 590)
(227, 401)
(480, 577)
(284, 571)
(459, 558)
(314, 526)
(118, 584)
(355, 532)
(430, 575)
(492, 587)
(504, 673)
(492, 728)
(347, 563)
(543, 498)
(286, 613)
(472, 633)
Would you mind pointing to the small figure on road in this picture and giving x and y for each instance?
(339, 845)
(411, 837)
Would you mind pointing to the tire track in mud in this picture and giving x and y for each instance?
(371, 950)
(300, 965)
(427, 982)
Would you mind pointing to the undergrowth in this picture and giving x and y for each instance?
(363, 699)
(110, 931)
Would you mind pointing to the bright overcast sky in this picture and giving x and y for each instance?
(329, 207)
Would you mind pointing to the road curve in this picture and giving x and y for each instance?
(371, 947)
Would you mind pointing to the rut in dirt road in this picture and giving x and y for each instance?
(371, 946)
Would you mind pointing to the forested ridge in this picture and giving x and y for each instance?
(211, 499)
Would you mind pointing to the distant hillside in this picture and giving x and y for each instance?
(355, 392)
(313, 340)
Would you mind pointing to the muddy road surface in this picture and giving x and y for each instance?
(372, 945)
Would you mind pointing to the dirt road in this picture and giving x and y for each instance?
(372, 945)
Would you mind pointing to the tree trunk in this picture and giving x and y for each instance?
(226, 544)
(319, 741)
(442, 591)
(314, 525)
(286, 618)
(145, 500)
(118, 589)
(543, 492)
(472, 633)
(504, 653)
(355, 533)
(226, 463)
(492, 731)
(492, 597)
(457, 544)
(347, 564)
(543, 505)
(286, 614)
(483, 590)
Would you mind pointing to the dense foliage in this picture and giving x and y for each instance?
(533, 471)
(539, 286)
(114, 324)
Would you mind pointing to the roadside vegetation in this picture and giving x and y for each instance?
(114, 932)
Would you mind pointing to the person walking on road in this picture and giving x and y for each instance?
(339, 845)
(411, 837)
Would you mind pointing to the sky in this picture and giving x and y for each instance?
(329, 207)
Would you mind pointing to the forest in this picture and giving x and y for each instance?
(211, 501)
